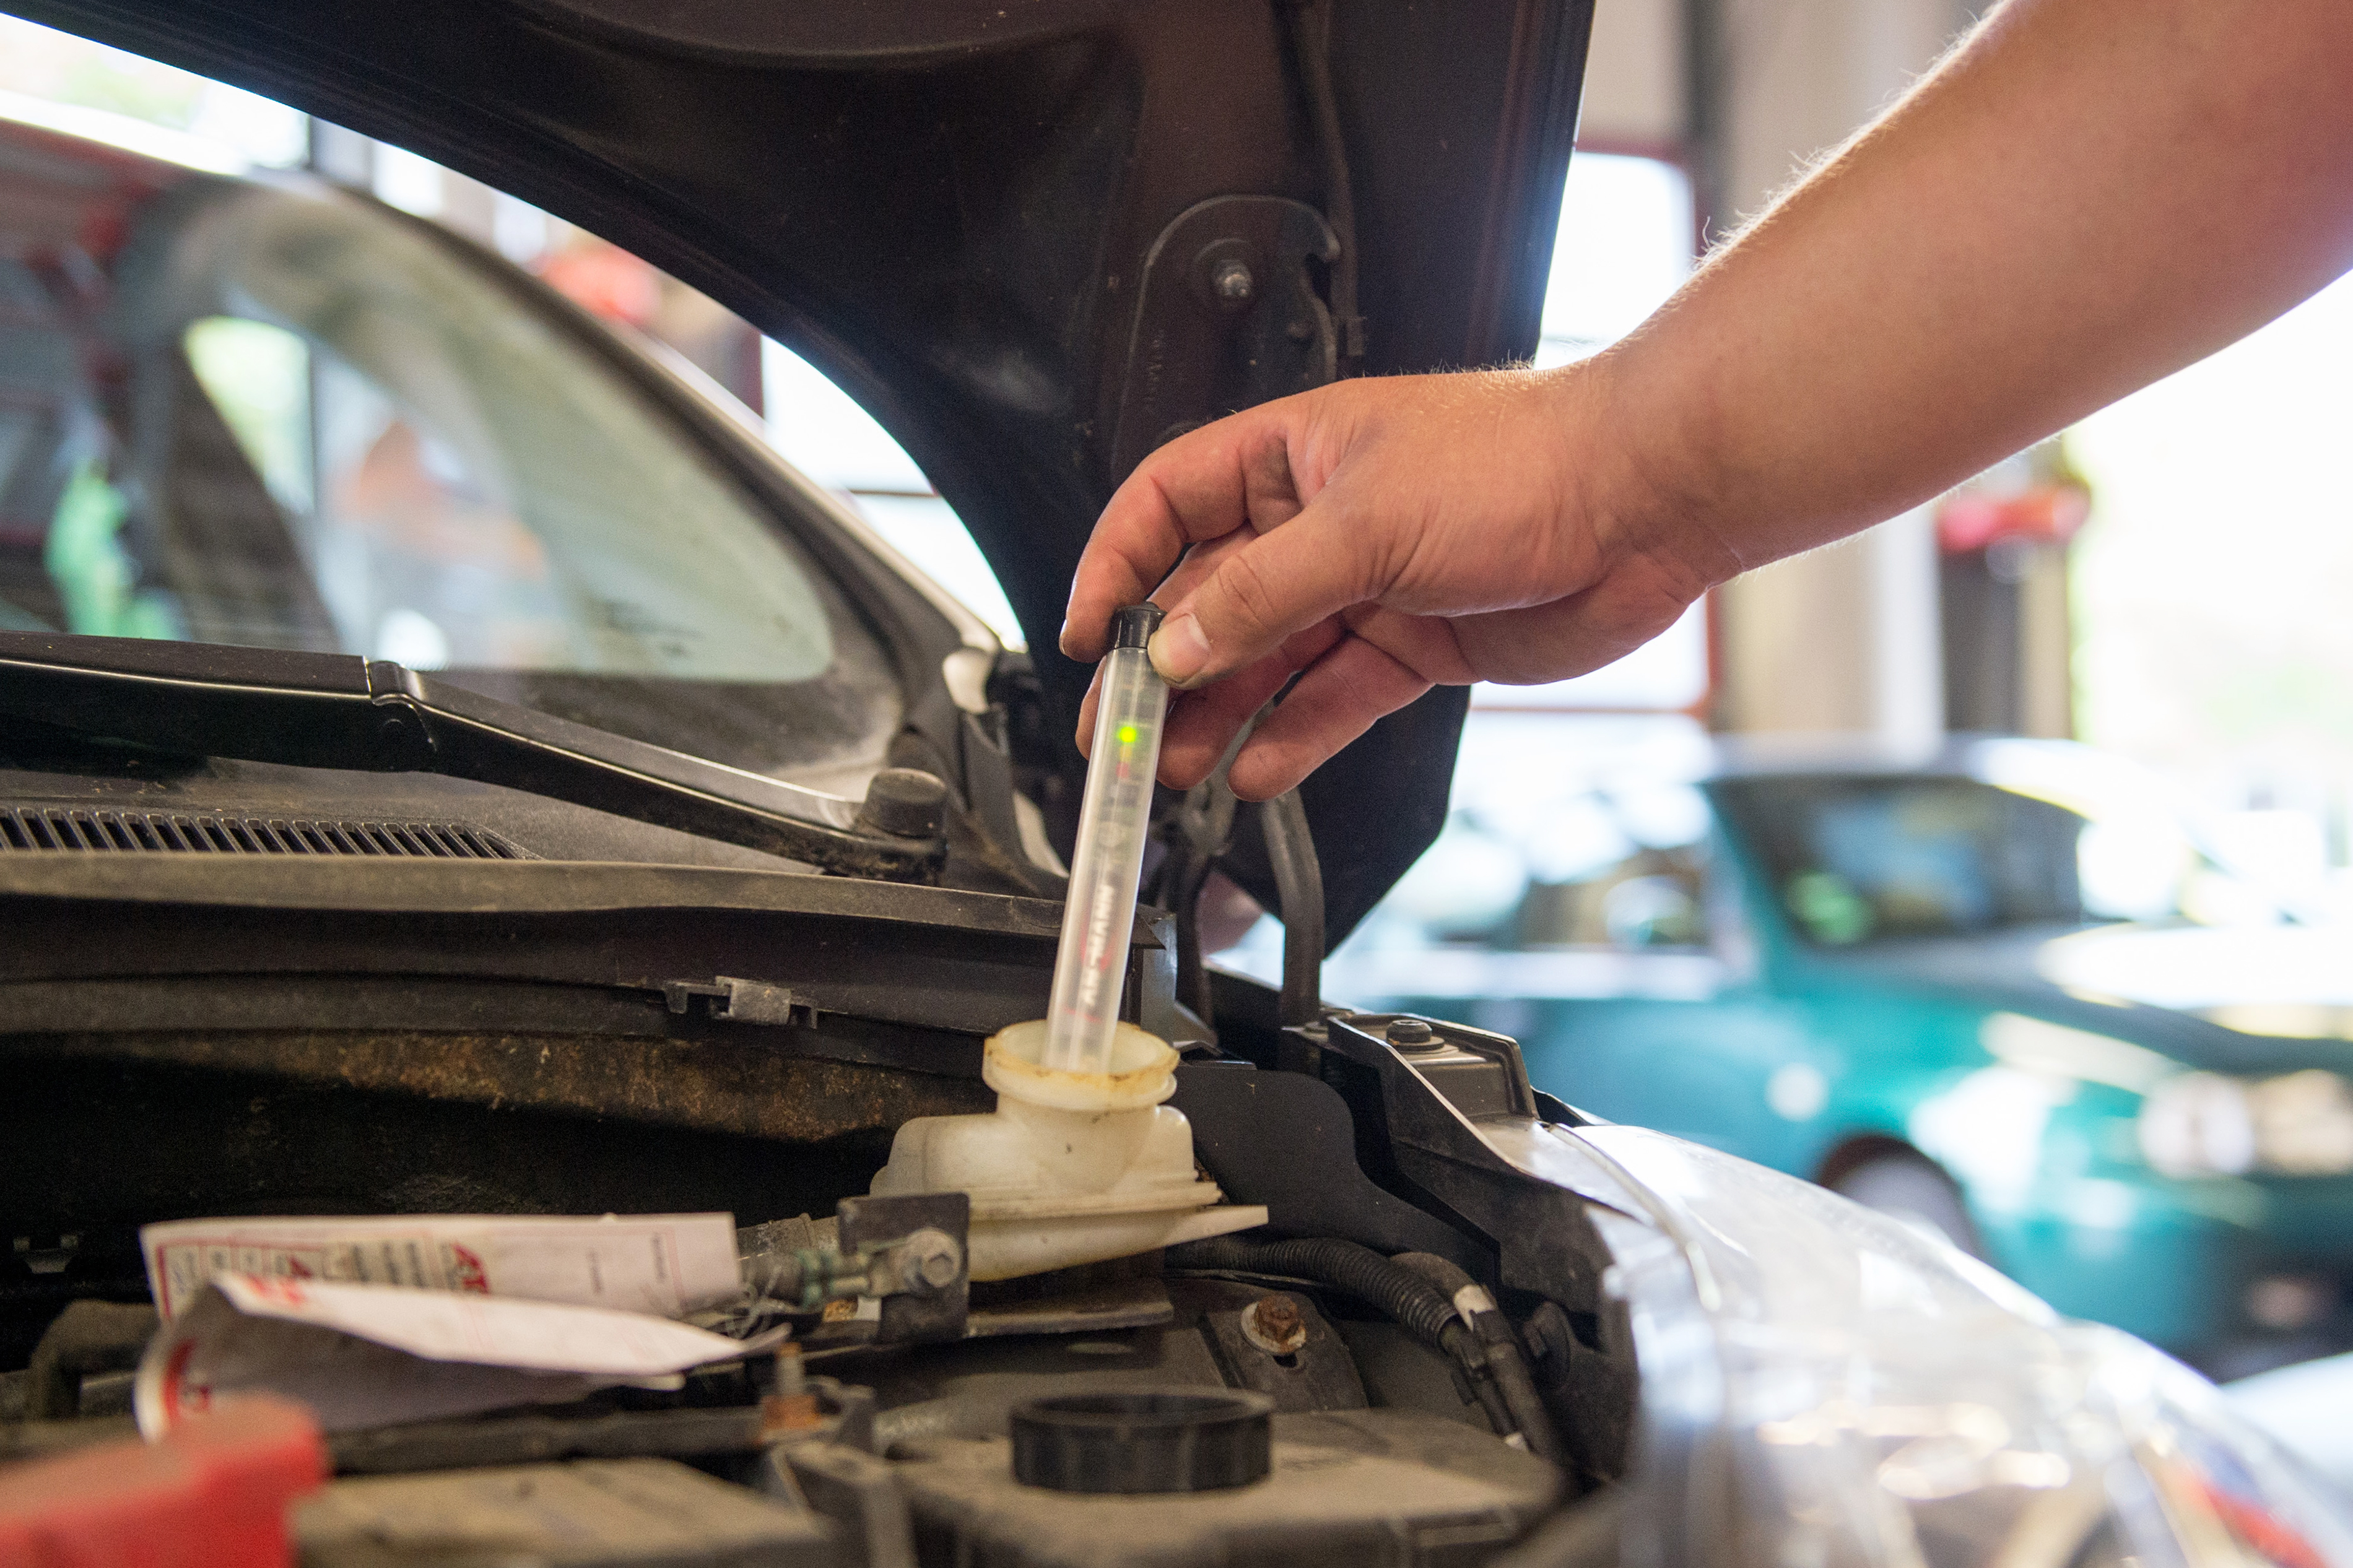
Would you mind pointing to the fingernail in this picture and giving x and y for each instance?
(1178, 650)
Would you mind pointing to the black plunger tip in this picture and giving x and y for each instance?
(1134, 626)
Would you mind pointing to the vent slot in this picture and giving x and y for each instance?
(136, 832)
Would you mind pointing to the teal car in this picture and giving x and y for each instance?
(2004, 994)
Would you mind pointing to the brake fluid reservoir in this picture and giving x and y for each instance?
(1080, 1160)
(1091, 961)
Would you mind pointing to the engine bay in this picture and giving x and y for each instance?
(1391, 1412)
(1411, 1358)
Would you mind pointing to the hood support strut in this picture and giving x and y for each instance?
(1299, 884)
(1200, 832)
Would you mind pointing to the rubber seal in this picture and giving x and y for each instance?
(1134, 626)
(1140, 1441)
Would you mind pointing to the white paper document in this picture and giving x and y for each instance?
(372, 1355)
(668, 1265)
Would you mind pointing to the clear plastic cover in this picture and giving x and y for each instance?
(1823, 1386)
(1091, 961)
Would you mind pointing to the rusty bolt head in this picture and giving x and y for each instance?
(1275, 1325)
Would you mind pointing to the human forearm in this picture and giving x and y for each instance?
(2088, 196)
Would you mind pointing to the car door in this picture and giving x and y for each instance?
(1602, 925)
(1686, 1036)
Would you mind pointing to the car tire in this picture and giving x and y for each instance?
(1911, 1191)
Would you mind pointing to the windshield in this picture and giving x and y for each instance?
(1856, 858)
(283, 418)
(1859, 858)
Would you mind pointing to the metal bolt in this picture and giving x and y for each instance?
(1274, 1324)
(1232, 282)
(1413, 1034)
(793, 1408)
(929, 1261)
(792, 1373)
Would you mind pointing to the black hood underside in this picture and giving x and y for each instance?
(991, 223)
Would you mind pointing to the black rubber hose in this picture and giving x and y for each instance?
(1310, 34)
(1467, 1345)
(1506, 1361)
(1417, 1304)
(1299, 882)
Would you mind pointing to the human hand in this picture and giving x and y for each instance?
(1382, 536)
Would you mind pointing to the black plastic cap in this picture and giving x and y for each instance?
(1144, 1440)
(905, 802)
(1133, 626)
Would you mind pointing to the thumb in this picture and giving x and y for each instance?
(1268, 590)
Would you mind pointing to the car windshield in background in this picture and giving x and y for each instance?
(1855, 859)
(279, 417)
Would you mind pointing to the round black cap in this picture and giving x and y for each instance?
(905, 802)
(1133, 626)
(1144, 1440)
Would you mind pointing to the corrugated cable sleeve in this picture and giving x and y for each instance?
(1412, 1300)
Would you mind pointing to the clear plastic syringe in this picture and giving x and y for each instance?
(1090, 964)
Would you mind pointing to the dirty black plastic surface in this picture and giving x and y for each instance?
(625, 1514)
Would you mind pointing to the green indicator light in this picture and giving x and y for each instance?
(1127, 734)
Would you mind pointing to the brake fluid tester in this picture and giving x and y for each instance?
(1090, 964)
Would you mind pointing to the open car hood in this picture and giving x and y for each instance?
(996, 223)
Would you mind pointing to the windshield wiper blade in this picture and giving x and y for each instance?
(338, 710)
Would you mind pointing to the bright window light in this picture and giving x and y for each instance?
(2209, 590)
(2211, 582)
(822, 431)
(1624, 245)
(408, 182)
(86, 89)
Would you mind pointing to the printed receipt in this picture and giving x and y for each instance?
(370, 1355)
(666, 1265)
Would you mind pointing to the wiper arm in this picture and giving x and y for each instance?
(338, 710)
